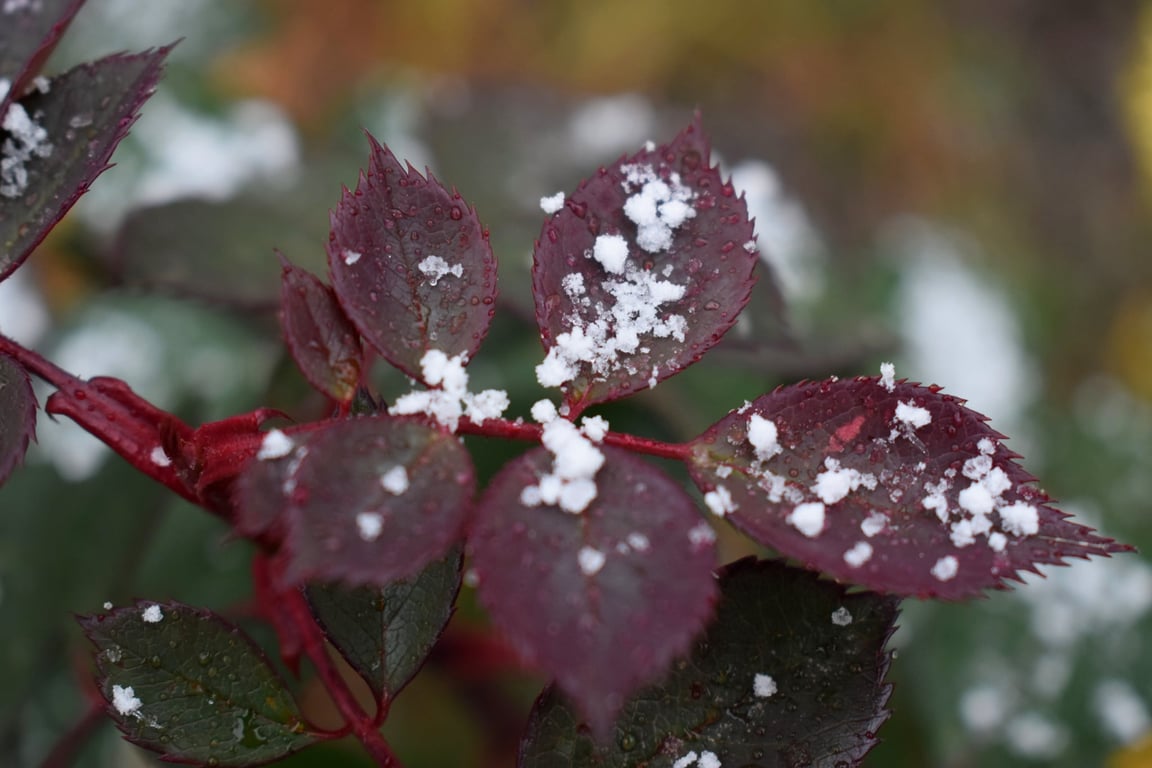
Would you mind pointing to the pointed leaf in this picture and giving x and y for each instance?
(601, 600)
(71, 132)
(366, 501)
(320, 336)
(790, 672)
(17, 415)
(411, 264)
(894, 486)
(29, 32)
(644, 269)
(386, 633)
(184, 682)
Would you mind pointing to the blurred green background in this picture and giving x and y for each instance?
(962, 187)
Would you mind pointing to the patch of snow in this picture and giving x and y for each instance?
(451, 399)
(591, 560)
(638, 541)
(686, 761)
(594, 427)
(841, 617)
(434, 268)
(351, 257)
(763, 686)
(369, 525)
(835, 482)
(945, 568)
(808, 518)
(912, 416)
(275, 445)
(888, 376)
(719, 501)
(543, 411)
(552, 203)
(125, 701)
(1019, 519)
(575, 461)
(27, 141)
(701, 535)
(860, 553)
(152, 614)
(395, 480)
(763, 436)
(873, 524)
(159, 457)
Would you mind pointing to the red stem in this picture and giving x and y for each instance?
(64, 752)
(520, 430)
(363, 726)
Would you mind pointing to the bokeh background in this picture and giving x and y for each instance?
(962, 187)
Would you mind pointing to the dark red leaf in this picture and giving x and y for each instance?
(370, 500)
(29, 32)
(411, 264)
(70, 134)
(320, 336)
(795, 665)
(601, 600)
(614, 325)
(17, 415)
(894, 486)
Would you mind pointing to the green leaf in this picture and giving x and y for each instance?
(822, 648)
(28, 35)
(183, 682)
(17, 415)
(385, 633)
(83, 115)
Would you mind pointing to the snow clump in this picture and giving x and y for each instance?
(451, 400)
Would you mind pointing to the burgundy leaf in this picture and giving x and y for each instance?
(894, 486)
(29, 32)
(17, 415)
(60, 141)
(602, 600)
(795, 664)
(321, 338)
(644, 269)
(369, 500)
(411, 264)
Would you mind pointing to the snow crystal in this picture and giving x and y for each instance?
(26, 140)
(835, 483)
(435, 268)
(108, 605)
(763, 436)
(763, 686)
(616, 330)
(841, 617)
(591, 560)
(719, 501)
(452, 399)
(976, 499)
(594, 427)
(1121, 710)
(612, 253)
(860, 553)
(638, 541)
(351, 257)
(888, 376)
(686, 761)
(808, 518)
(543, 411)
(873, 524)
(370, 524)
(945, 568)
(656, 207)
(552, 203)
(395, 480)
(708, 760)
(575, 462)
(159, 457)
(701, 534)
(125, 701)
(275, 445)
(912, 416)
(1019, 519)
(997, 541)
(152, 614)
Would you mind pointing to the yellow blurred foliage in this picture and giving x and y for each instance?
(1130, 344)
(1138, 755)
(1136, 91)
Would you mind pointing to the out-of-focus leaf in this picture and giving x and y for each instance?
(215, 250)
(17, 415)
(366, 501)
(321, 338)
(185, 683)
(790, 673)
(386, 633)
(601, 600)
(83, 116)
(643, 270)
(411, 264)
(891, 485)
(29, 32)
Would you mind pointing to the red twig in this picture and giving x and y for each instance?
(520, 430)
(363, 726)
(63, 754)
